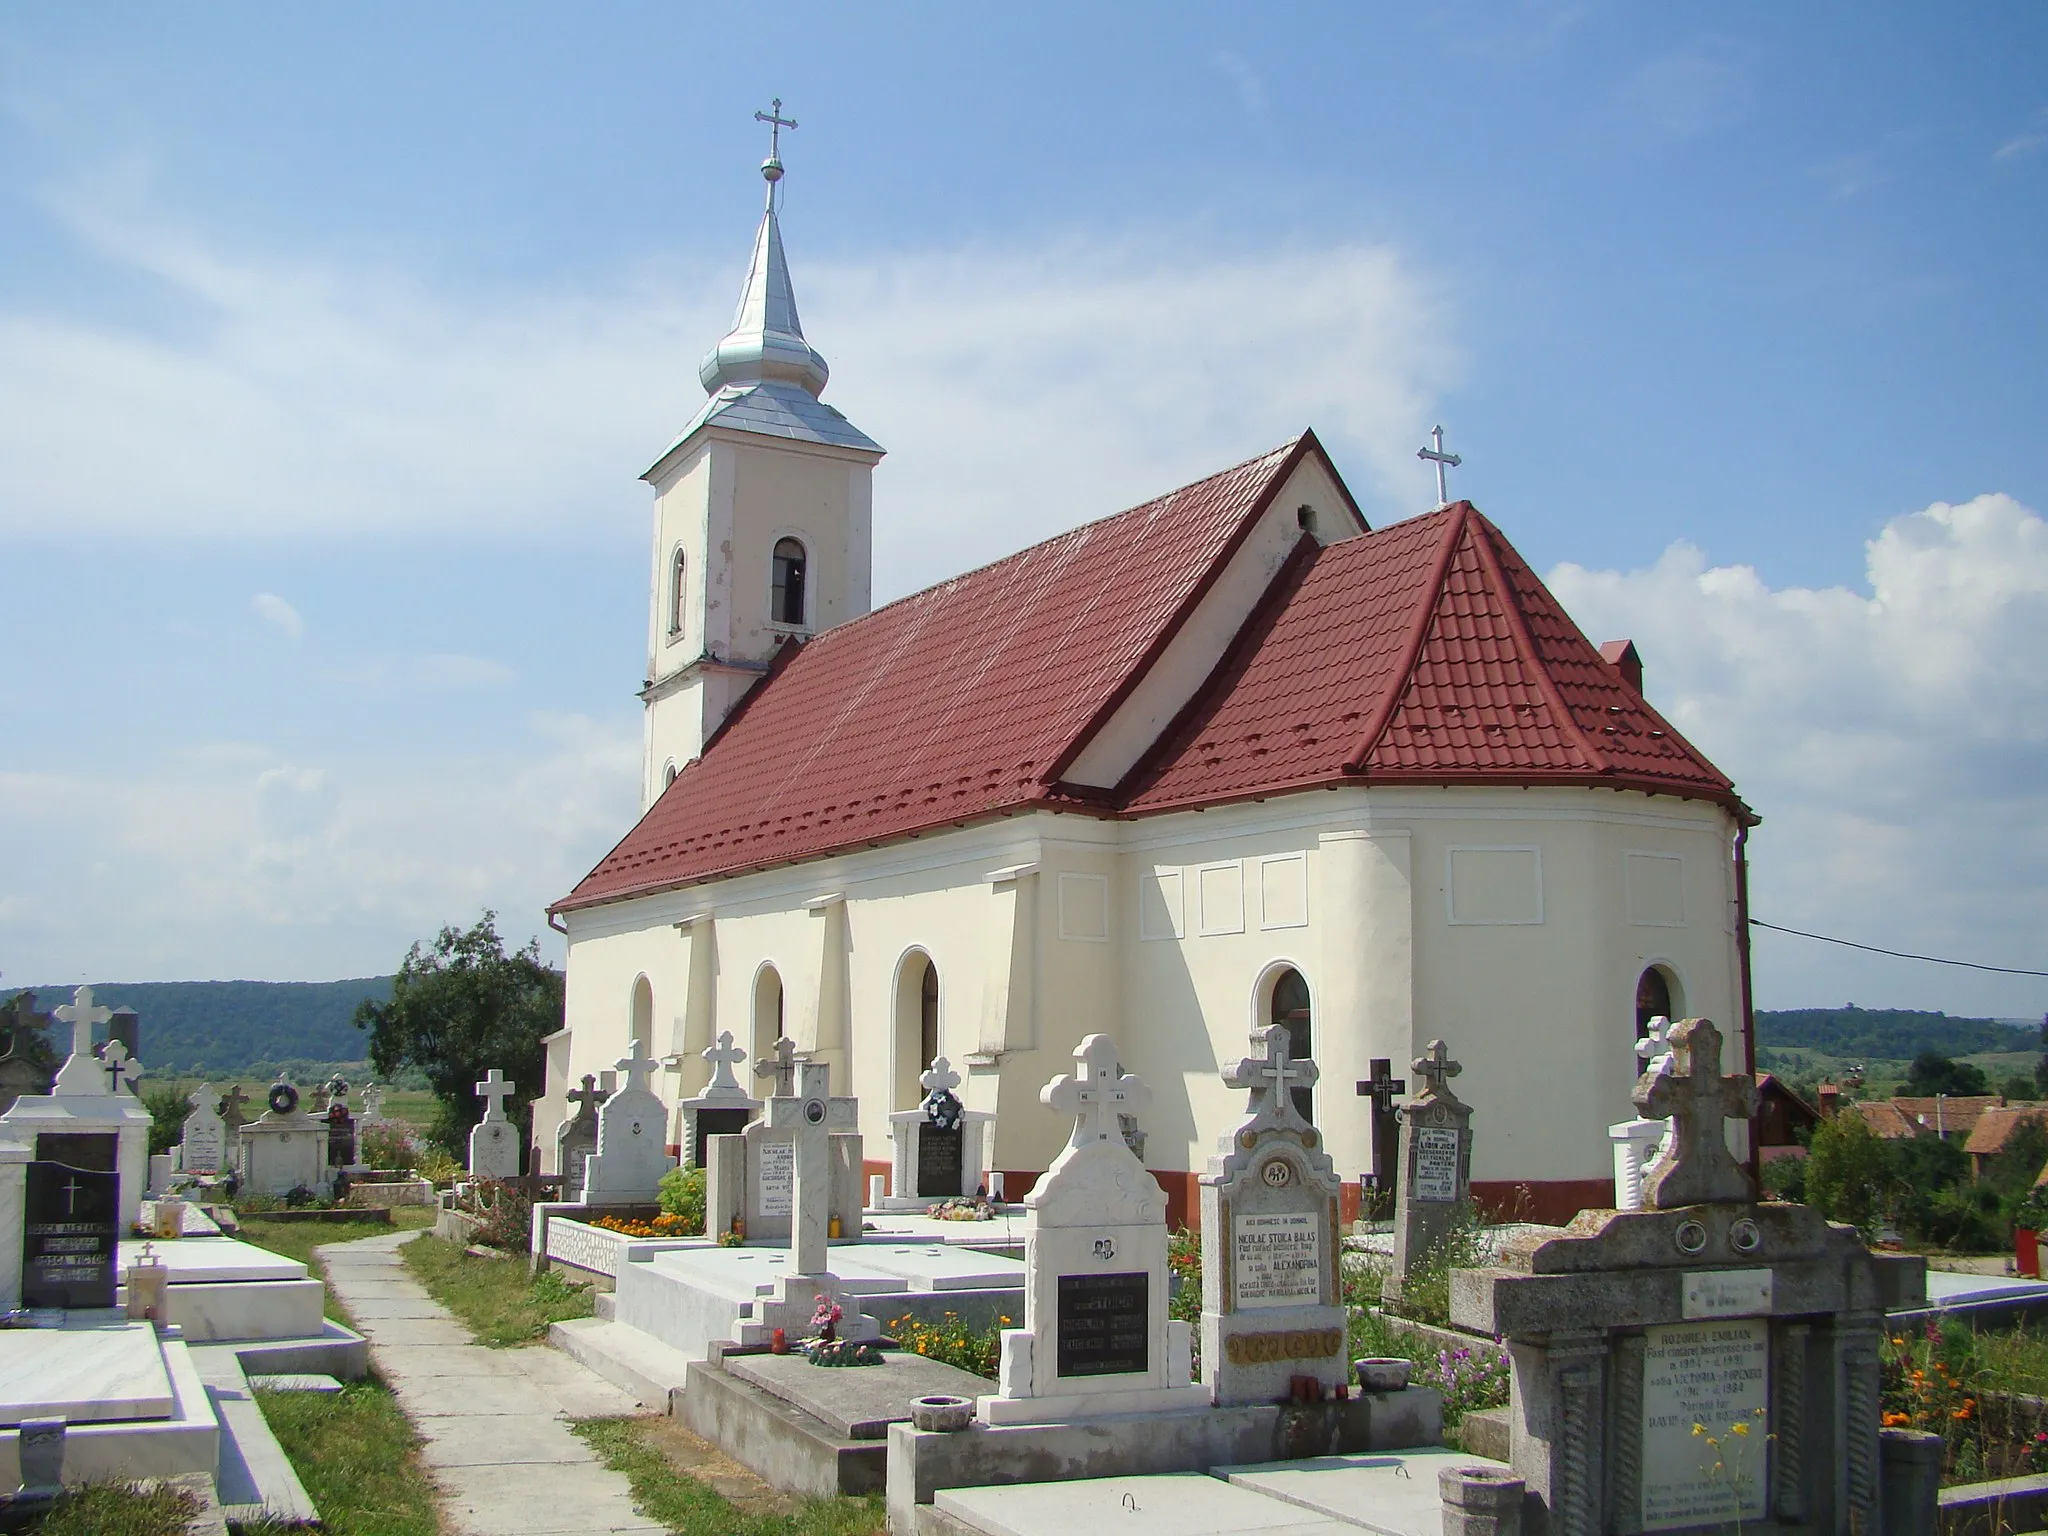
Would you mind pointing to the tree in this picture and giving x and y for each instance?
(2019, 1088)
(461, 1008)
(1933, 1073)
(1849, 1173)
(2041, 1066)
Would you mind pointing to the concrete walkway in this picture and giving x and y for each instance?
(494, 1420)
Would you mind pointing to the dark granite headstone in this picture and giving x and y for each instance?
(341, 1136)
(69, 1237)
(95, 1151)
(1102, 1324)
(718, 1122)
(126, 1027)
(938, 1162)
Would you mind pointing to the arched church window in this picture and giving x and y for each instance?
(678, 589)
(786, 600)
(643, 1016)
(767, 1013)
(1656, 998)
(1290, 1010)
(916, 1037)
(668, 773)
(928, 1016)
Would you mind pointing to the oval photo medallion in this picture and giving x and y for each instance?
(814, 1111)
(1279, 1173)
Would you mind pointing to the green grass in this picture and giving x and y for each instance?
(496, 1299)
(119, 1509)
(689, 1508)
(358, 1456)
(298, 1239)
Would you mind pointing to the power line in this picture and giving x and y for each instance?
(1896, 954)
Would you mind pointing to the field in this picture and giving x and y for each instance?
(1802, 1069)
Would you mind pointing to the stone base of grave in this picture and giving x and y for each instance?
(220, 1288)
(810, 1429)
(790, 1306)
(1074, 1408)
(97, 1366)
(922, 1463)
(630, 1360)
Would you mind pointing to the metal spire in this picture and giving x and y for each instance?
(1443, 461)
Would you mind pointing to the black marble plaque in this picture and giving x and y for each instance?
(97, 1151)
(68, 1240)
(938, 1162)
(1102, 1324)
(717, 1122)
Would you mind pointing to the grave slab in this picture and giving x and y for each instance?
(187, 1440)
(1392, 1494)
(87, 1372)
(937, 1266)
(1179, 1504)
(258, 1309)
(212, 1260)
(855, 1402)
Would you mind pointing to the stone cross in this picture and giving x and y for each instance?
(782, 1068)
(1435, 1069)
(1654, 1045)
(121, 1072)
(373, 1104)
(80, 1072)
(1097, 1093)
(1696, 1167)
(810, 1114)
(589, 1095)
(1272, 1078)
(637, 1067)
(494, 1089)
(1383, 1088)
(939, 1077)
(231, 1104)
(723, 1056)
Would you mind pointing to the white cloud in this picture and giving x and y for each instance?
(278, 614)
(1895, 741)
(206, 868)
(1149, 361)
(2022, 145)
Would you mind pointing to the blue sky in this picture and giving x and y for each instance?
(331, 346)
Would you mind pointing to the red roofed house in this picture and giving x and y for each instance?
(1226, 758)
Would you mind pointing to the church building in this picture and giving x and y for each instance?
(1229, 758)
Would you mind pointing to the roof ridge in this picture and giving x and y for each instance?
(1525, 639)
(1417, 637)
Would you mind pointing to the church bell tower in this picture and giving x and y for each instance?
(762, 513)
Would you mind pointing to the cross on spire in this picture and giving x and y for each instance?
(1097, 1093)
(1435, 454)
(494, 1089)
(771, 168)
(1273, 1077)
(782, 1067)
(724, 1056)
(1696, 1166)
(1435, 1069)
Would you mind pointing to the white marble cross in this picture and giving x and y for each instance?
(724, 1056)
(1654, 1049)
(1435, 1069)
(1096, 1094)
(495, 1089)
(80, 1073)
(782, 1067)
(939, 1077)
(637, 1067)
(1272, 1078)
(1696, 1165)
(121, 1072)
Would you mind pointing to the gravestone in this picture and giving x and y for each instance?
(203, 1145)
(1435, 1166)
(89, 1119)
(942, 1149)
(1096, 1339)
(70, 1236)
(341, 1125)
(632, 1144)
(1271, 1241)
(722, 1109)
(752, 1176)
(494, 1140)
(1383, 1088)
(1707, 1307)
(234, 1106)
(576, 1137)
(373, 1106)
(14, 1160)
(125, 1025)
(1637, 1142)
(284, 1149)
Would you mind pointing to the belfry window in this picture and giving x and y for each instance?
(676, 593)
(1291, 1012)
(786, 598)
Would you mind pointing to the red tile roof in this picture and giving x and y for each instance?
(1995, 1127)
(1426, 652)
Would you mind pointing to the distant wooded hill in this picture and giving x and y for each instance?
(236, 1026)
(1890, 1034)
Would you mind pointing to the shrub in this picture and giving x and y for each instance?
(683, 1197)
(389, 1147)
(506, 1215)
(951, 1342)
(1785, 1178)
(1849, 1173)
(167, 1111)
(1427, 1295)
(437, 1167)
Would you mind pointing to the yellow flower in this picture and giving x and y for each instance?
(1739, 1428)
(1699, 1429)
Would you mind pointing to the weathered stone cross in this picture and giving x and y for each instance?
(1096, 1094)
(589, 1095)
(637, 1067)
(494, 1089)
(1272, 1078)
(782, 1067)
(724, 1056)
(1435, 1069)
(231, 1104)
(1696, 1166)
